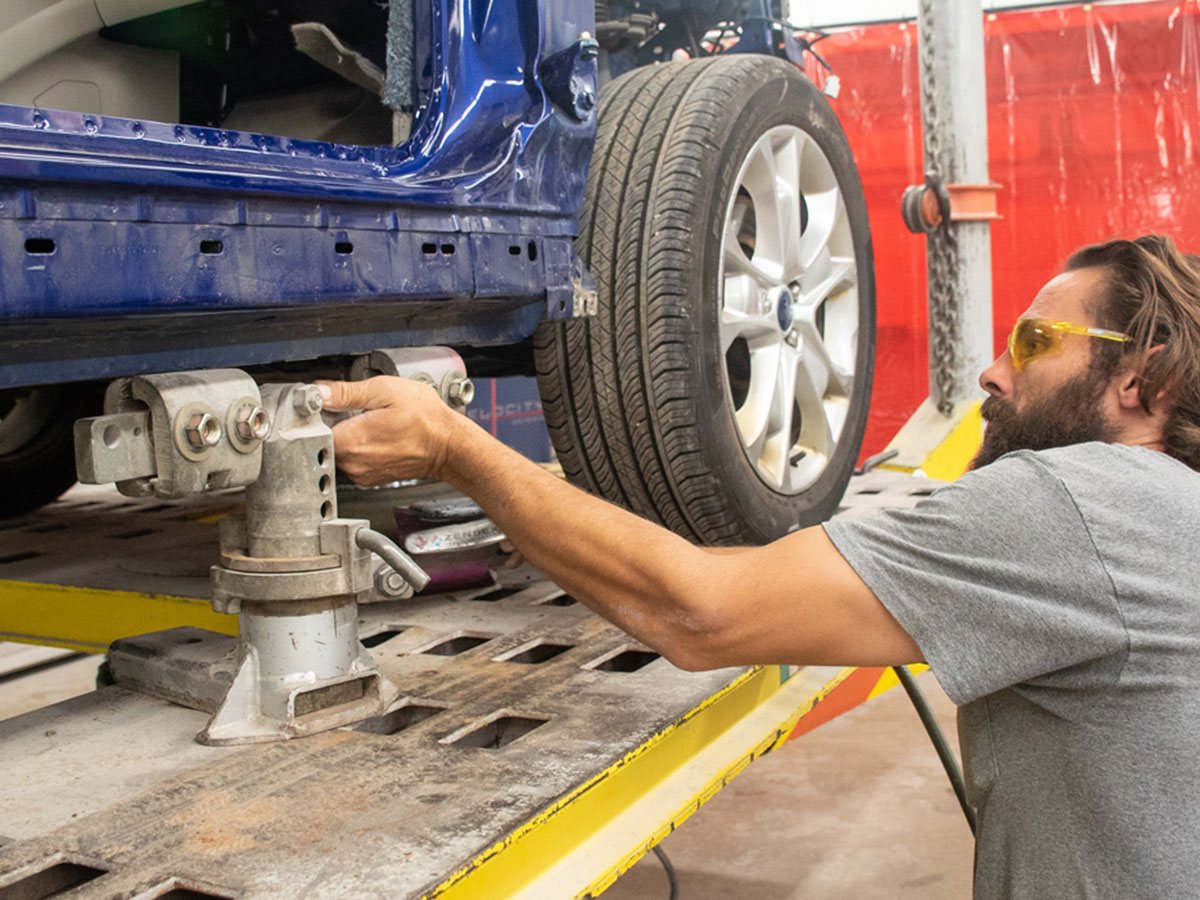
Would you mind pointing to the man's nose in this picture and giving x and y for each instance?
(996, 379)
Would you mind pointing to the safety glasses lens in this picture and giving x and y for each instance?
(1031, 339)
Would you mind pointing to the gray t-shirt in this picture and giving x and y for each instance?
(1056, 596)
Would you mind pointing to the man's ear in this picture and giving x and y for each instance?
(1129, 384)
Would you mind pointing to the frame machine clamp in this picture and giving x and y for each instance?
(290, 568)
(927, 207)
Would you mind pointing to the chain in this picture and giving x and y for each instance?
(941, 246)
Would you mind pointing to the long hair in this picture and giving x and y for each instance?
(1153, 294)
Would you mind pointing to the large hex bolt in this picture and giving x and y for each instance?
(202, 430)
(253, 423)
(306, 400)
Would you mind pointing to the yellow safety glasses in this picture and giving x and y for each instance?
(1032, 338)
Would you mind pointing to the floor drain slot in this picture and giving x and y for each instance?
(457, 645)
(626, 661)
(560, 600)
(538, 653)
(52, 881)
(375, 640)
(402, 717)
(500, 732)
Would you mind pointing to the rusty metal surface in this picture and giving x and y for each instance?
(115, 777)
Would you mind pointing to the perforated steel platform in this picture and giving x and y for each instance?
(538, 750)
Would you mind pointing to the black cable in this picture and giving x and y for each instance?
(670, 869)
(945, 754)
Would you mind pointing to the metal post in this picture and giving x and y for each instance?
(958, 255)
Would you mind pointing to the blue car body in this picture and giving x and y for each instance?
(135, 246)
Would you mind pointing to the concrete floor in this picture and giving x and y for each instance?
(858, 809)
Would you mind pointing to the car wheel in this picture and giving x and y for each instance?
(37, 449)
(722, 387)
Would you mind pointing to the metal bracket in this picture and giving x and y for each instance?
(569, 78)
(439, 367)
(933, 204)
(177, 421)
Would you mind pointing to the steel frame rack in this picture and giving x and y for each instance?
(537, 752)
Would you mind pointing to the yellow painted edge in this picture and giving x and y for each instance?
(531, 849)
(949, 459)
(889, 680)
(90, 619)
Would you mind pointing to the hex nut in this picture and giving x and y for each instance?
(202, 430)
(460, 391)
(391, 584)
(253, 424)
(307, 401)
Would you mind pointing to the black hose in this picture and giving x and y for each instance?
(672, 879)
(945, 754)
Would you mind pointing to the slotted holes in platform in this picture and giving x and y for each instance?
(498, 594)
(499, 732)
(53, 881)
(537, 654)
(176, 892)
(375, 640)
(560, 600)
(456, 645)
(627, 661)
(399, 719)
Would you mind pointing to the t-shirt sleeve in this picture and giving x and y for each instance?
(994, 576)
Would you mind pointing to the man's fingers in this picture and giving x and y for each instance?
(344, 395)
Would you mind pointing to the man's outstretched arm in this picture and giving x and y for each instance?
(793, 601)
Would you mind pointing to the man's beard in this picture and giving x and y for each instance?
(1068, 415)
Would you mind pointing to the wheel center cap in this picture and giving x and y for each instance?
(785, 309)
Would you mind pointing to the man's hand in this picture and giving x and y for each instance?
(404, 432)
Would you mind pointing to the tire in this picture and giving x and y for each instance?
(37, 447)
(666, 401)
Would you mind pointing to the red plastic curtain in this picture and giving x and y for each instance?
(1093, 132)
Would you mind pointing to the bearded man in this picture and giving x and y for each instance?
(1054, 590)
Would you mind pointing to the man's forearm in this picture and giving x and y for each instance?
(794, 600)
(637, 574)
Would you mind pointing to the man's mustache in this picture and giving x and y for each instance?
(993, 407)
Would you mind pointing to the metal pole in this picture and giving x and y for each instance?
(958, 255)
